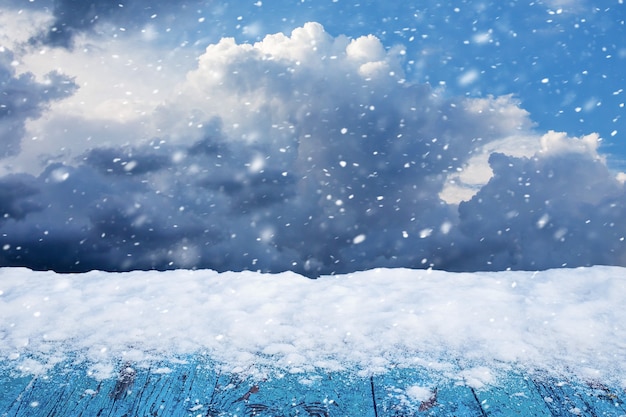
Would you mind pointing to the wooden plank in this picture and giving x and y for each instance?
(458, 400)
(192, 389)
(163, 390)
(160, 391)
(38, 398)
(66, 390)
(310, 394)
(11, 388)
(170, 390)
(395, 394)
(197, 389)
(514, 395)
(565, 398)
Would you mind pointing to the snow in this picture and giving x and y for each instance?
(567, 322)
(418, 393)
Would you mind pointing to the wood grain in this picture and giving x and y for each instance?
(197, 388)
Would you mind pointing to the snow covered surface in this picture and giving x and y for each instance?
(565, 321)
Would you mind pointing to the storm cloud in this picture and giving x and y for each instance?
(561, 207)
(311, 153)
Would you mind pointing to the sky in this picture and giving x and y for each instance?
(317, 137)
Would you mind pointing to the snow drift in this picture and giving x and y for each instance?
(564, 321)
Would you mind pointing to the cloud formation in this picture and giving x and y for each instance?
(22, 98)
(311, 153)
(72, 18)
(561, 207)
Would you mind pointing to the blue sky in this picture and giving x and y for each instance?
(562, 59)
(324, 137)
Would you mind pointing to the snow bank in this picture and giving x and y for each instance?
(566, 321)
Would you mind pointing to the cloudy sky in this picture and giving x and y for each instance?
(314, 136)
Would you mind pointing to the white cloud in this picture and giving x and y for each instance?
(24, 98)
(121, 82)
(19, 25)
(463, 185)
(559, 143)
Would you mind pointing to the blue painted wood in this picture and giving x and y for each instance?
(197, 388)
(514, 395)
(567, 398)
(164, 389)
(393, 395)
(310, 394)
(12, 387)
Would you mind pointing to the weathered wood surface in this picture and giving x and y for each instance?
(196, 389)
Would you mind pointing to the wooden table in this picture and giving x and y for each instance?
(197, 388)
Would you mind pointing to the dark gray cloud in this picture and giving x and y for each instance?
(125, 162)
(74, 16)
(22, 97)
(18, 197)
(558, 210)
(207, 209)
